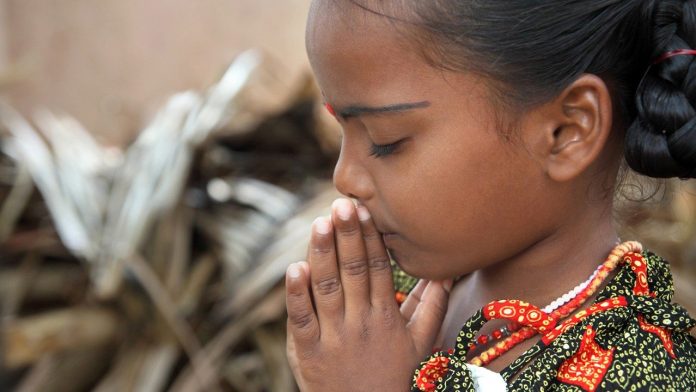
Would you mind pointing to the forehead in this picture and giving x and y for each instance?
(357, 54)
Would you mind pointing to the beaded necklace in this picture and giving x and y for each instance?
(563, 310)
(511, 327)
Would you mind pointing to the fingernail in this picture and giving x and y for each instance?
(344, 208)
(322, 225)
(294, 271)
(447, 285)
(303, 265)
(363, 214)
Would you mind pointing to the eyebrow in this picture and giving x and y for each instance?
(357, 110)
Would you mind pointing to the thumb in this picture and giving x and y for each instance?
(427, 318)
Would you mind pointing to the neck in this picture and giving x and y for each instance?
(548, 268)
(540, 273)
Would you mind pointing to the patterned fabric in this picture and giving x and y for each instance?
(631, 338)
(403, 283)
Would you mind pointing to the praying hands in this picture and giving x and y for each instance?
(345, 330)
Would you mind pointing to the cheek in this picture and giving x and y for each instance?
(462, 195)
(448, 185)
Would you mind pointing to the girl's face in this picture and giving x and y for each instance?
(422, 150)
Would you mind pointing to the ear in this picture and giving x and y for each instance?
(578, 126)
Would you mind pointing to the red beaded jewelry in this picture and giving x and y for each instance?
(564, 311)
(511, 327)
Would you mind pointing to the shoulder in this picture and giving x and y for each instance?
(632, 338)
(647, 343)
(647, 269)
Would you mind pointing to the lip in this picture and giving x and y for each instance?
(383, 231)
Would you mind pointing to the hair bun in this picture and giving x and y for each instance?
(661, 142)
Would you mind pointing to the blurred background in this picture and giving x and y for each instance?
(160, 164)
(111, 64)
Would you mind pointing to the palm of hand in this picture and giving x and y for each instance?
(345, 330)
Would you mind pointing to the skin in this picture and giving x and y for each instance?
(526, 219)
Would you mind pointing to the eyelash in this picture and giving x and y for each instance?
(382, 150)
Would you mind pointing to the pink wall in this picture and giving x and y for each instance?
(110, 63)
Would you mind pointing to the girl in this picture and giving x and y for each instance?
(481, 145)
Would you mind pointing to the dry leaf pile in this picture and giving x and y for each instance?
(160, 267)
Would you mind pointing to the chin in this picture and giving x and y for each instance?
(425, 267)
(414, 268)
(397, 258)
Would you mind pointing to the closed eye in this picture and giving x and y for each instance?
(382, 150)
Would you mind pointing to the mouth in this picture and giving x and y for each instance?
(389, 241)
(383, 231)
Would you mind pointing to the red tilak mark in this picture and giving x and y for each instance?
(678, 52)
(330, 109)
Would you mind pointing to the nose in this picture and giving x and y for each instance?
(351, 177)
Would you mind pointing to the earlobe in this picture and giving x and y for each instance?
(583, 118)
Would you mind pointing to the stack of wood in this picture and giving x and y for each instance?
(161, 267)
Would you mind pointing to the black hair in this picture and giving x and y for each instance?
(536, 48)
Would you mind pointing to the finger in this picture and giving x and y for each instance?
(380, 272)
(352, 257)
(294, 362)
(427, 318)
(326, 283)
(413, 299)
(303, 324)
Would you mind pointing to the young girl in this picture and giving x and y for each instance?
(481, 145)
